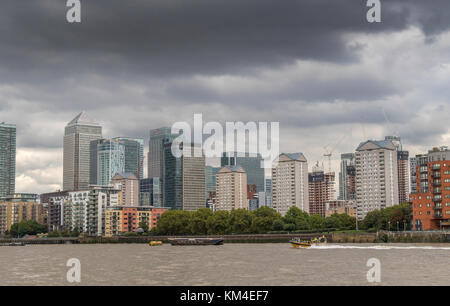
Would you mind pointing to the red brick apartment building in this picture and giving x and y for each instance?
(431, 203)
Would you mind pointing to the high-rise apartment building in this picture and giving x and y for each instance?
(134, 154)
(321, 191)
(431, 202)
(76, 163)
(403, 176)
(100, 199)
(107, 159)
(252, 164)
(15, 212)
(184, 178)
(347, 174)
(7, 159)
(376, 176)
(290, 183)
(128, 184)
(403, 169)
(231, 188)
(413, 175)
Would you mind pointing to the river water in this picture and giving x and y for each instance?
(229, 264)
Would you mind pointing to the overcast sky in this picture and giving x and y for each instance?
(317, 67)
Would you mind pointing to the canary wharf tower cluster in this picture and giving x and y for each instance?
(104, 182)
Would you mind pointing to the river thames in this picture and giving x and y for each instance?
(229, 264)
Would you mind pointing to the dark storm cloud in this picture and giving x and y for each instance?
(135, 65)
(190, 36)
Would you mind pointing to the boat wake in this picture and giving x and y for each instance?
(377, 247)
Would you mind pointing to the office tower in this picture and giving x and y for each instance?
(184, 184)
(210, 174)
(268, 192)
(252, 196)
(431, 204)
(376, 176)
(76, 163)
(403, 171)
(7, 159)
(321, 191)
(156, 150)
(231, 188)
(413, 176)
(107, 159)
(290, 183)
(134, 154)
(250, 163)
(128, 184)
(347, 174)
(158, 137)
(150, 192)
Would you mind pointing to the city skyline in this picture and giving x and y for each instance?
(323, 164)
(319, 77)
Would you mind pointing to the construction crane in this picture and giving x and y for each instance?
(329, 151)
(140, 167)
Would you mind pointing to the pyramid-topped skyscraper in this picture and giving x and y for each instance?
(77, 137)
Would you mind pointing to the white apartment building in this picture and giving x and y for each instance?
(231, 188)
(376, 176)
(290, 183)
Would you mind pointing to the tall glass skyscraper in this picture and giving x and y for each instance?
(77, 139)
(134, 153)
(7, 159)
(158, 138)
(150, 192)
(347, 176)
(156, 150)
(251, 165)
(185, 184)
(109, 162)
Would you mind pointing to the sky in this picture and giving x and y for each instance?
(317, 67)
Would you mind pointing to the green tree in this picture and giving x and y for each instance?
(174, 222)
(28, 227)
(387, 218)
(316, 222)
(218, 223)
(198, 225)
(144, 226)
(264, 219)
(298, 217)
(240, 221)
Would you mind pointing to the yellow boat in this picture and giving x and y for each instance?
(153, 243)
(300, 244)
(297, 243)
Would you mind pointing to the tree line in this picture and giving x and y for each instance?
(267, 220)
(241, 221)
